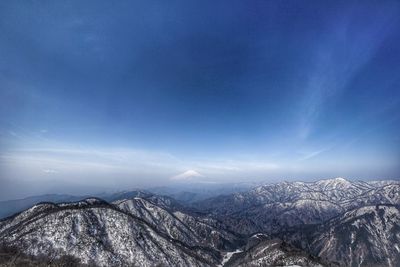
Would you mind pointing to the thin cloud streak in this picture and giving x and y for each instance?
(312, 155)
(336, 62)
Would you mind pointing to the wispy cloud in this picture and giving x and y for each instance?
(337, 60)
(312, 154)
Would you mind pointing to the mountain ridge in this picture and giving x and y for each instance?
(274, 224)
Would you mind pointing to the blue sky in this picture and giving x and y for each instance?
(139, 93)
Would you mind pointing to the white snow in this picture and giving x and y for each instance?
(228, 256)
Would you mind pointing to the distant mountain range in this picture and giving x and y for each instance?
(332, 222)
(186, 193)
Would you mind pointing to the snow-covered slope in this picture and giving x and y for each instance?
(169, 218)
(333, 222)
(261, 250)
(97, 232)
(366, 236)
(274, 207)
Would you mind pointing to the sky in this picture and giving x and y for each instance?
(101, 95)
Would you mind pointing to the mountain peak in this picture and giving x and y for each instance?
(334, 183)
(187, 175)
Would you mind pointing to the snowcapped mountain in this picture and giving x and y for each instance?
(272, 208)
(173, 220)
(332, 222)
(98, 233)
(367, 236)
(262, 250)
(10, 207)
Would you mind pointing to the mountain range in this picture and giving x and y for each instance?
(333, 222)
